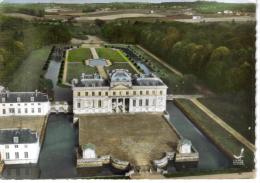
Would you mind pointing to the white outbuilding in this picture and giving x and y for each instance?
(88, 151)
(184, 146)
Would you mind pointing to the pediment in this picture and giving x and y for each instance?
(120, 87)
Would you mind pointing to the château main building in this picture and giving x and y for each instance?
(122, 92)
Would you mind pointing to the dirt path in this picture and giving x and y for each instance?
(224, 125)
(94, 53)
(161, 61)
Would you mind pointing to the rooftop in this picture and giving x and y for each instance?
(23, 136)
(118, 76)
(138, 138)
(13, 97)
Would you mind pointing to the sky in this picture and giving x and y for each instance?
(106, 1)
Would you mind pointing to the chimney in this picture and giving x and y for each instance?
(36, 93)
(18, 99)
(32, 99)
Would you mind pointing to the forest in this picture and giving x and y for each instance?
(222, 55)
(19, 37)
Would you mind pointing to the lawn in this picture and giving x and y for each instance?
(238, 115)
(76, 69)
(110, 54)
(79, 55)
(216, 133)
(27, 76)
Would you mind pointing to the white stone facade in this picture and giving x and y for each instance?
(118, 97)
(20, 153)
(24, 104)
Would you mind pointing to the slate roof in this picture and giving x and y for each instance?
(11, 97)
(25, 136)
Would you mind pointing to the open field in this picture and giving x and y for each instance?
(33, 123)
(222, 138)
(75, 70)
(27, 77)
(238, 115)
(79, 55)
(110, 54)
(137, 138)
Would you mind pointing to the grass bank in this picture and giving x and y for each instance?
(79, 55)
(219, 136)
(239, 115)
(27, 76)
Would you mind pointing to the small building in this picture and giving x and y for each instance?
(23, 103)
(88, 151)
(121, 92)
(19, 146)
(196, 17)
(184, 146)
(228, 12)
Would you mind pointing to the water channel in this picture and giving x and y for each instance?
(57, 157)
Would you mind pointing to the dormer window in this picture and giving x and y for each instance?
(16, 140)
(32, 99)
(3, 99)
(18, 99)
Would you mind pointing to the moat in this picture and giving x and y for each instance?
(57, 157)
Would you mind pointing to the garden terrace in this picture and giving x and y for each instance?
(79, 55)
(111, 54)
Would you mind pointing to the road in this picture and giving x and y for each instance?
(172, 97)
(224, 125)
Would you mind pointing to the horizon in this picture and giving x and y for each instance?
(118, 1)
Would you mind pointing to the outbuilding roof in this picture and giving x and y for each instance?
(17, 136)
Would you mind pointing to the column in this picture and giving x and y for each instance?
(123, 104)
(117, 105)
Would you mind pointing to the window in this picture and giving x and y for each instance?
(11, 110)
(140, 102)
(161, 92)
(141, 92)
(78, 104)
(134, 103)
(7, 155)
(16, 155)
(154, 101)
(32, 110)
(25, 146)
(153, 92)
(78, 94)
(7, 146)
(15, 146)
(19, 104)
(147, 92)
(99, 93)
(127, 93)
(26, 110)
(4, 111)
(106, 93)
(39, 110)
(99, 103)
(134, 92)
(146, 102)
(25, 154)
(19, 110)
(39, 103)
(93, 93)
(114, 93)
(86, 93)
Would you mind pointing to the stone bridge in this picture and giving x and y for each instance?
(60, 107)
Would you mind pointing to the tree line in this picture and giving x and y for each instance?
(222, 55)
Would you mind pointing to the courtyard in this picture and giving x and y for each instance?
(137, 138)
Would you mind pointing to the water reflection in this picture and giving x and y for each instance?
(21, 172)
